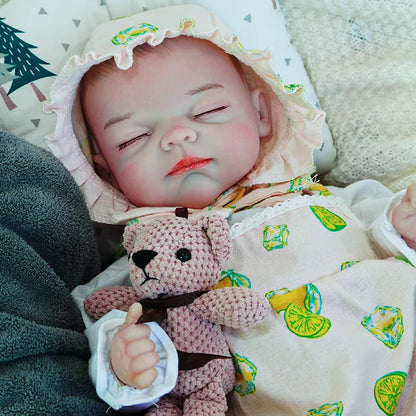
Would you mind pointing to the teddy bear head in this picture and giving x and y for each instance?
(177, 255)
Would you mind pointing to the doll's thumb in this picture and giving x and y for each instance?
(134, 313)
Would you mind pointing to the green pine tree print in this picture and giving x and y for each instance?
(27, 66)
(5, 77)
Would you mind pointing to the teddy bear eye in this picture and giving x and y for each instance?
(183, 254)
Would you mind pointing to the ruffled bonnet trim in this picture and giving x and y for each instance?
(285, 154)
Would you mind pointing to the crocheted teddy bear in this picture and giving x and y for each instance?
(175, 265)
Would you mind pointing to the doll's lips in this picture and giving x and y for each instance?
(187, 164)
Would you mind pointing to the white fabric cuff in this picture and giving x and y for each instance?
(106, 383)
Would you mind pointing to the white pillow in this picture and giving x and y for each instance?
(50, 31)
(361, 57)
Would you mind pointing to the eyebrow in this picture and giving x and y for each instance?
(204, 87)
(117, 119)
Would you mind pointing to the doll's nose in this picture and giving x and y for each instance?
(177, 135)
(142, 258)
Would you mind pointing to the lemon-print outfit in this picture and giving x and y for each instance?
(340, 337)
(340, 320)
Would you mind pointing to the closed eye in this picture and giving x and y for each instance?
(209, 112)
(132, 141)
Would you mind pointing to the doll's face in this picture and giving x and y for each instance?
(179, 127)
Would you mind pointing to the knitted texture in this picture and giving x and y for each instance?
(231, 306)
(360, 56)
(207, 239)
(166, 406)
(173, 256)
(106, 299)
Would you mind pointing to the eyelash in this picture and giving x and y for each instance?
(131, 141)
(126, 144)
(214, 110)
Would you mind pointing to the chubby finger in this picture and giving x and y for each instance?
(127, 369)
(134, 313)
(140, 346)
(132, 332)
(404, 210)
(411, 193)
(144, 362)
(399, 216)
(145, 379)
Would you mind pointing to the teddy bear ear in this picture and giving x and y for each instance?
(130, 235)
(218, 231)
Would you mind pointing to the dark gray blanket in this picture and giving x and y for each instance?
(47, 247)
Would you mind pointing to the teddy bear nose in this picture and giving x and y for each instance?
(142, 258)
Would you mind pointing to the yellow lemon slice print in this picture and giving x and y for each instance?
(304, 323)
(348, 264)
(328, 219)
(230, 278)
(246, 373)
(127, 35)
(387, 391)
(291, 88)
(248, 51)
(320, 188)
(404, 259)
(300, 182)
(280, 299)
(307, 296)
(328, 409)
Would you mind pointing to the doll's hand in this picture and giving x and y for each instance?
(133, 355)
(404, 217)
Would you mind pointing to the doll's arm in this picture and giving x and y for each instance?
(110, 388)
(232, 306)
(404, 217)
(388, 218)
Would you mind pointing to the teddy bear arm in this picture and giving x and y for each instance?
(102, 301)
(232, 306)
